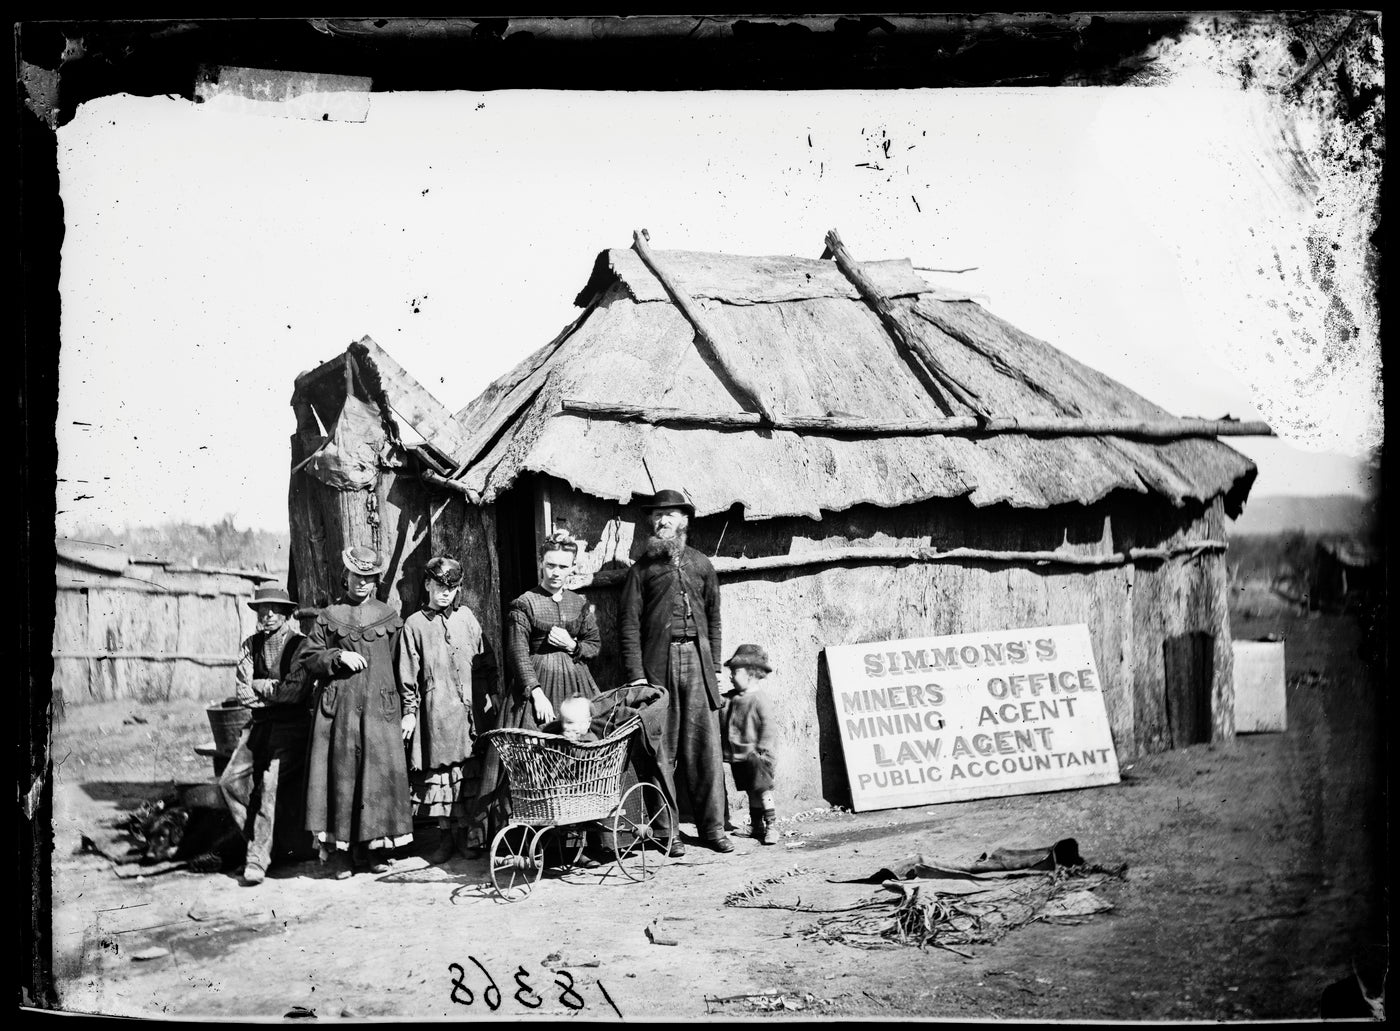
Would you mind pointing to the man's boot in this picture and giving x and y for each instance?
(770, 827)
(719, 843)
(756, 821)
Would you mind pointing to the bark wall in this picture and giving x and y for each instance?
(392, 517)
(408, 522)
(467, 533)
(1131, 611)
(1172, 598)
(795, 616)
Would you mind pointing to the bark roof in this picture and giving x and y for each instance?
(803, 334)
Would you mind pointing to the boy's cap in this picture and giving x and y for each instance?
(752, 656)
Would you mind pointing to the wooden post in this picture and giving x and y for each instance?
(911, 347)
(711, 344)
(544, 510)
(455, 486)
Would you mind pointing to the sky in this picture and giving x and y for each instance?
(1169, 236)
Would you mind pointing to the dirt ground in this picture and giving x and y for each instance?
(1255, 872)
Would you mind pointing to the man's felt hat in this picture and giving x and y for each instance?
(751, 656)
(364, 561)
(670, 499)
(271, 594)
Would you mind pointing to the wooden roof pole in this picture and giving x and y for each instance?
(914, 351)
(726, 565)
(712, 346)
(1165, 428)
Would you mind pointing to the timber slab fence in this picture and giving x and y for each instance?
(146, 630)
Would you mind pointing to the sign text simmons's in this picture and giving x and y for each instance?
(972, 715)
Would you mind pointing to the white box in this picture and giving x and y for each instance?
(1261, 702)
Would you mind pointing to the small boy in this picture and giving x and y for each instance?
(750, 737)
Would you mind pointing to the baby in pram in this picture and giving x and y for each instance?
(575, 721)
(583, 720)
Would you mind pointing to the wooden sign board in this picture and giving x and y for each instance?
(939, 719)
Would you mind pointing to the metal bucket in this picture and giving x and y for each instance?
(227, 722)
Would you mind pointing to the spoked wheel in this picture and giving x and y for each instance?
(517, 860)
(639, 829)
(557, 841)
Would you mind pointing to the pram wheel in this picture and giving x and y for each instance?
(639, 825)
(561, 846)
(517, 860)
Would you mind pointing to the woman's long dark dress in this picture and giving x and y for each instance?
(357, 778)
(534, 662)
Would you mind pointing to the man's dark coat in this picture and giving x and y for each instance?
(644, 616)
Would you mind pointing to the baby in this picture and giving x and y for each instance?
(750, 738)
(574, 720)
(576, 716)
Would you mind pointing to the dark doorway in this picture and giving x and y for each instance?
(1189, 666)
(515, 540)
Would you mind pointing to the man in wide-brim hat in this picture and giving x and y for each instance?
(669, 625)
(262, 783)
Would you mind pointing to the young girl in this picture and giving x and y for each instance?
(438, 648)
(357, 783)
(750, 738)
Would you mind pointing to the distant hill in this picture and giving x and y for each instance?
(218, 544)
(1332, 514)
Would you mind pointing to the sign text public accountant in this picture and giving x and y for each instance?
(975, 715)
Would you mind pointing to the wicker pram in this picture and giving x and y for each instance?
(554, 783)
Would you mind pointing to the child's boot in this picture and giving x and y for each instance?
(756, 822)
(462, 838)
(770, 827)
(445, 845)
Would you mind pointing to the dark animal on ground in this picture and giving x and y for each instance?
(191, 825)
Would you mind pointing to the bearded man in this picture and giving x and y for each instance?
(669, 622)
